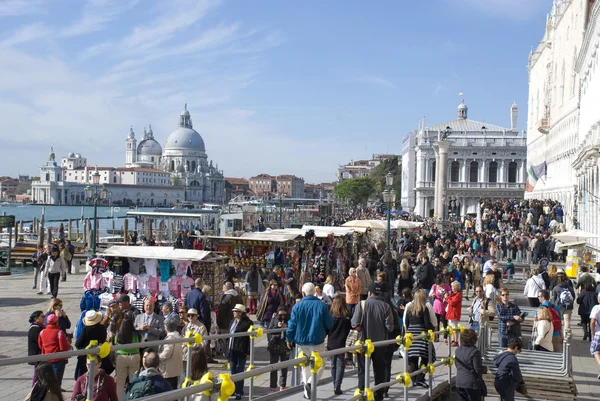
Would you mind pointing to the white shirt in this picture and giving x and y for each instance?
(151, 267)
(490, 291)
(533, 286)
(329, 290)
(595, 314)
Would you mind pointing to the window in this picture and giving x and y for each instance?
(114, 179)
(194, 165)
(454, 171)
(512, 172)
(172, 167)
(493, 172)
(473, 171)
(433, 171)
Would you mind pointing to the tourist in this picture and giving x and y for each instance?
(55, 307)
(509, 270)
(406, 276)
(229, 299)
(92, 331)
(36, 321)
(67, 257)
(476, 308)
(137, 387)
(193, 327)
(54, 266)
(38, 259)
(321, 295)
(595, 328)
(543, 339)
(425, 275)
(282, 354)
(46, 386)
(374, 321)
(52, 340)
(104, 388)
(149, 324)
(438, 294)
(126, 307)
(587, 299)
(390, 267)
(532, 287)
(307, 328)
(336, 339)
(196, 299)
(253, 281)
(353, 289)
(168, 312)
(239, 347)
(112, 320)
(171, 355)
(584, 278)
(272, 300)
(563, 296)
(508, 374)
(454, 309)
(364, 276)
(199, 369)
(469, 367)
(419, 318)
(509, 315)
(127, 361)
(328, 288)
(544, 297)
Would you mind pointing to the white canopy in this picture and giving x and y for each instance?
(155, 252)
(273, 235)
(372, 224)
(574, 236)
(403, 224)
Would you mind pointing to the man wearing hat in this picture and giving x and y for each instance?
(239, 347)
(92, 331)
(373, 319)
(197, 299)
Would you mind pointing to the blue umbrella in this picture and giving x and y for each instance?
(404, 212)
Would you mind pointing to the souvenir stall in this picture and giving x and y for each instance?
(165, 273)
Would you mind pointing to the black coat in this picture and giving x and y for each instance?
(587, 300)
(32, 341)
(89, 333)
(469, 367)
(241, 344)
(337, 335)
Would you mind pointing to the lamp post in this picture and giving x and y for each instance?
(91, 191)
(280, 196)
(389, 197)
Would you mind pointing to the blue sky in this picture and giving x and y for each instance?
(273, 86)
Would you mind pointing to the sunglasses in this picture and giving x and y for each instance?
(504, 295)
(282, 316)
(192, 315)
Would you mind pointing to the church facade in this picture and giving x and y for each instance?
(484, 161)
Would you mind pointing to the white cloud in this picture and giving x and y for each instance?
(96, 15)
(375, 80)
(26, 33)
(12, 8)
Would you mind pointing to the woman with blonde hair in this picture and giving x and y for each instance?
(328, 288)
(419, 317)
(553, 275)
(406, 276)
(353, 289)
(543, 339)
(55, 307)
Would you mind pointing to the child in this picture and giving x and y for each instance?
(454, 308)
(509, 270)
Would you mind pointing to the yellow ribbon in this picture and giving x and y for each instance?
(187, 382)
(408, 340)
(318, 362)
(207, 378)
(447, 361)
(369, 348)
(357, 392)
(461, 328)
(430, 336)
(450, 330)
(369, 394)
(301, 354)
(431, 369)
(358, 351)
(104, 350)
(92, 344)
(197, 338)
(259, 332)
(399, 338)
(227, 387)
(404, 379)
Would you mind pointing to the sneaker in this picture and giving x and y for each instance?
(338, 391)
(307, 391)
(33, 288)
(423, 384)
(40, 293)
(281, 388)
(271, 390)
(48, 293)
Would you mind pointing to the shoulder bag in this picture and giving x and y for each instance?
(479, 378)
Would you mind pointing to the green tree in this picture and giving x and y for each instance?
(380, 171)
(355, 191)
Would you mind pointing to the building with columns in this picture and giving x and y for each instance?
(483, 161)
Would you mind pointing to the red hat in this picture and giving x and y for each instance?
(52, 319)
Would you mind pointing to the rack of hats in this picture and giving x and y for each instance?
(164, 273)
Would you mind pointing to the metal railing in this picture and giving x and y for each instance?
(225, 383)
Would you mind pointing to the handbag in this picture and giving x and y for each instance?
(352, 338)
(277, 346)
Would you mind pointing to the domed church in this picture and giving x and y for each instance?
(184, 157)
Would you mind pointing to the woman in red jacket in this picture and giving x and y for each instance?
(51, 340)
(453, 310)
(105, 388)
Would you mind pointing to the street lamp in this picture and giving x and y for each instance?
(280, 196)
(389, 197)
(91, 192)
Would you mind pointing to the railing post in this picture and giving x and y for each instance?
(90, 383)
(449, 355)
(405, 370)
(313, 385)
(430, 360)
(251, 388)
(188, 365)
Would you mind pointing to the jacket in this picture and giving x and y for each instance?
(454, 301)
(407, 282)
(533, 286)
(196, 329)
(253, 279)
(56, 266)
(228, 301)
(153, 374)
(364, 277)
(425, 276)
(508, 373)
(486, 310)
(33, 347)
(587, 300)
(52, 340)
(105, 383)
(171, 356)
(353, 290)
(555, 295)
(155, 328)
(89, 333)
(241, 344)
(376, 316)
(309, 322)
(337, 335)
(469, 367)
(544, 335)
(197, 300)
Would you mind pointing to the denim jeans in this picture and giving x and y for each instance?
(503, 340)
(338, 367)
(59, 368)
(475, 326)
(237, 363)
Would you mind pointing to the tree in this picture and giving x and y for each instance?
(356, 191)
(380, 171)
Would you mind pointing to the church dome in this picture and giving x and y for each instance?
(185, 137)
(149, 147)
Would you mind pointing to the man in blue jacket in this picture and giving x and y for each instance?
(307, 328)
(196, 299)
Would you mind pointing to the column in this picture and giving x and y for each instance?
(463, 172)
(441, 178)
(501, 171)
(482, 169)
(523, 171)
(427, 176)
(421, 170)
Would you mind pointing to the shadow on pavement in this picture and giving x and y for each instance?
(10, 302)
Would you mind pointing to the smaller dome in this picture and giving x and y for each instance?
(131, 134)
(149, 147)
(71, 155)
(462, 106)
(185, 111)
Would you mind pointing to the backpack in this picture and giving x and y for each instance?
(139, 389)
(565, 300)
(90, 300)
(556, 322)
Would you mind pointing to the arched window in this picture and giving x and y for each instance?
(493, 172)
(114, 179)
(433, 171)
(172, 166)
(473, 171)
(193, 165)
(512, 172)
(187, 165)
(454, 171)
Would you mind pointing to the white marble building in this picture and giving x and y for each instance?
(484, 160)
(553, 124)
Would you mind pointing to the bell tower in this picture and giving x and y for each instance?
(130, 148)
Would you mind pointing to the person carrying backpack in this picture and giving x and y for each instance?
(555, 314)
(149, 381)
(563, 295)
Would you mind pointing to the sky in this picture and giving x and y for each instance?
(277, 87)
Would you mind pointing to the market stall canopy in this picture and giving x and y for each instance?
(324, 231)
(156, 252)
(566, 245)
(574, 236)
(273, 236)
(403, 224)
(372, 224)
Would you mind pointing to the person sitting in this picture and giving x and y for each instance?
(138, 388)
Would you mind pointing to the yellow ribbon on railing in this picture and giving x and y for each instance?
(369, 348)
(450, 330)
(104, 350)
(430, 336)
(227, 387)
(431, 369)
(250, 367)
(369, 394)
(259, 332)
(404, 379)
(207, 378)
(399, 338)
(447, 361)
(461, 328)
(318, 362)
(408, 340)
(358, 351)
(187, 382)
(357, 392)
(103, 353)
(301, 354)
(197, 338)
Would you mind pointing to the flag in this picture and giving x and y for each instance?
(534, 174)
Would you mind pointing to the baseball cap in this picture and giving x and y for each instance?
(374, 288)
